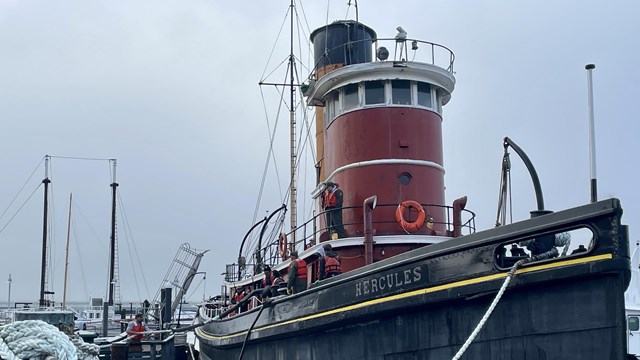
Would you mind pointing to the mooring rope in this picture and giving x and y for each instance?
(549, 254)
(35, 339)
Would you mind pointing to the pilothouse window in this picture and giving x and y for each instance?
(350, 96)
(374, 92)
(401, 92)
(424, 94)
(331, 108)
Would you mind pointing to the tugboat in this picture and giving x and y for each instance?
(417, 281)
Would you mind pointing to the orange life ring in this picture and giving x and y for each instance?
(282, 246)
(414, 225)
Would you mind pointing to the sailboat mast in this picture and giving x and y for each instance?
(66, 259)
(112, 255)
(292, 119)
(43, 267)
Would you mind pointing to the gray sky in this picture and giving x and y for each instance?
(170, 89)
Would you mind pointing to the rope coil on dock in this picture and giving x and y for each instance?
(35, 339)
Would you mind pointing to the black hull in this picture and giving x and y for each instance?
(566, 308)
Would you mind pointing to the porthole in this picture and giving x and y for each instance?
(405, 178)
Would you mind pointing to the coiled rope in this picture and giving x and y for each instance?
(35, 339)
(549, 254)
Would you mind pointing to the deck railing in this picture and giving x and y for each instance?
(397, 50)
(312, 232)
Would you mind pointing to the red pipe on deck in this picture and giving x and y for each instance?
(458, 206)
(367, 208)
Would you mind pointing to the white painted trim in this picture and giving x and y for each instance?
(318, 190)
(353, 74)
(380, 240)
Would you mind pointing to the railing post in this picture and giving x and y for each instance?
(433, 54)
(152, 350)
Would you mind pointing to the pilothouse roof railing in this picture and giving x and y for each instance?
(408, 50)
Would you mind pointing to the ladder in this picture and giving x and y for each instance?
(116, 269)
(181, 272)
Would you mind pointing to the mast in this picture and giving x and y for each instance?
(43, 267)
(66, 259)
(112, 255)
(292, 119)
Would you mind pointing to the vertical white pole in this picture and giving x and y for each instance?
(9, 299)
(592, 136)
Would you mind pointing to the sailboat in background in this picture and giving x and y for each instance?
(46, 311)
(46, 308)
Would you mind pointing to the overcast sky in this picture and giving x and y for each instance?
(169, 88)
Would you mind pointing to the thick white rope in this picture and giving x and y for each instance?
(35, 339)
(552, 253)
(85, 351)
(5, 352)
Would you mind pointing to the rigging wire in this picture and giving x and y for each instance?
(22, 188)
(501, 217)
(304, 17)
(270, 153)
(20, 208)
(79, 158)
(79, 211)
(284, 20)
(193, 290)
(346, 15)
(305, 172)
(50, 281)
(305, 118)
(302, 35)
(326, 28)
(510, 201)
(264, 78)
(77, 246)
(297, 165)
(133, 264)
(128, 229)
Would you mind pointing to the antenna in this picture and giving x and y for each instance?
(592, 136)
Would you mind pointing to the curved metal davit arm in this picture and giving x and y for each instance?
(534, 176)
(264, 228)
(243, 241)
